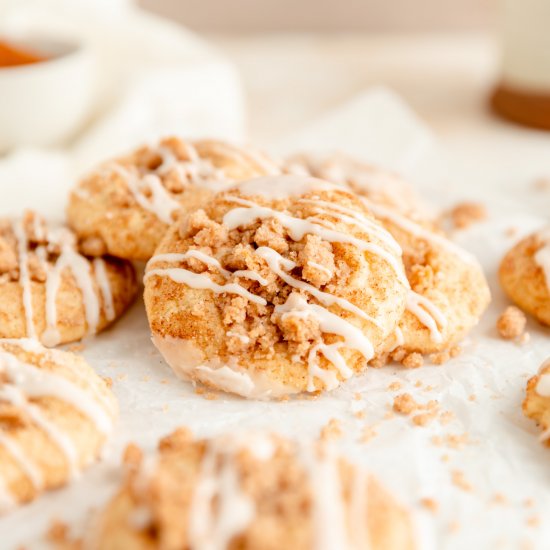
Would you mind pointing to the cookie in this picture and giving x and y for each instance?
(537, 400)
(55, 416)
(279, 285)
(248, 491)
(125, 206)
(449, 291)
(525, 275)
(49, 291)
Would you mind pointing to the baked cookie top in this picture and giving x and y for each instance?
(128, 203)
(278, 285)
(449, 291)
(525, 274)
(49, 290)
(249, 491)
(537, 400)
(55, 416)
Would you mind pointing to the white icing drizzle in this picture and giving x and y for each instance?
(542, 255)
(13, 395)
(353, 217)
(104, 287)
(298, 227)
(428, 314)
(353, 337)
(417, 230)
(161, 203)
(36, 382)
(203, 281)
(81, 269)
(24, 276)
(320, 267)
(30, 470)
(219, 482)
(29, 381)
(328, 515)
(359, 532)
(276, 263)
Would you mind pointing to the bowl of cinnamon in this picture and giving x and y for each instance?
(46, 91)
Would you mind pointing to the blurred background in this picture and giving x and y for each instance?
(327, 15)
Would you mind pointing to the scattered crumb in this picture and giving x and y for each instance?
(367, 434)
(511, 324)
(441, 357)
(542, 183)
(121, 377)
(445, 417)
(413, 361)
(453, 441)
(533, 521)
(465, 214)
(511, 231)
(499, 498)
(429, 503)
(357, 396)
(454, 526)
(108, 381)
(445, 458)
(331, 430)
(165, 381)
(57, 532)
(394, 386)
(404, 404)
(528, 503)
(472, 397)
(418, 384)
(458, 479)
(146, 378)
(424, 419)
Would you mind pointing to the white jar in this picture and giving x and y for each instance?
(523, 94)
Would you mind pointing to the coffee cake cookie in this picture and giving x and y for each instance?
(537, 400)
(248, 491)
(525, 275)
(55, 416)
(49, 291)
(124, 207)
(279, 285)
(449, 291)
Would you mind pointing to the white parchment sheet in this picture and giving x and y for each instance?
(502, 461)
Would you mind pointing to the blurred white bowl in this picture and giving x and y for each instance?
(45, 103)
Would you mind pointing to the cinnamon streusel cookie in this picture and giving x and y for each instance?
(449, 291)
(55, 416)
(251, 491)
(525, 275)
(279, 285)
(125, 206)
(49, 291)
(537, 400)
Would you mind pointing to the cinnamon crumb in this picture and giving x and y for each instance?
(441, 357)
(58, 532)
(404, 404)
(424, 419)
(511, 324)
(367, 434)
(499, 499)
(394, 386)
(472, 397)
(331, 430)
(413, 361)
(429, 503)
(458, 479)
(533, 521)
(465, 214)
